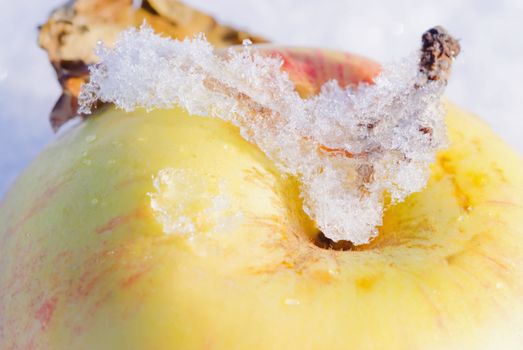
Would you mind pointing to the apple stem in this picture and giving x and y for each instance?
(438, 50)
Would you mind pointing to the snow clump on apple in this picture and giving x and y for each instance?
(351, 148)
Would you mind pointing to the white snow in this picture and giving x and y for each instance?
(180, 212)
(343, 191)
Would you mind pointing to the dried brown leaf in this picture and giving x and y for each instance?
(72, 31)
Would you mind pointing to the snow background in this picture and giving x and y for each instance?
(486, 78)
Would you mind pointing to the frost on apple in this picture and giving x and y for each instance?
(350, 148)
(180, 212)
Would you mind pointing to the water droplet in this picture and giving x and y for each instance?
(247, 42)
(333, 272)
(291, 302)
(94, 201)
(90, 138)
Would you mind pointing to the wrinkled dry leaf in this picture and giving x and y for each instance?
(72, 31)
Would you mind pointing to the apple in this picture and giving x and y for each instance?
(89, 258)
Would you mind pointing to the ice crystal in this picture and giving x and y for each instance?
(350, 148)
(179, 211)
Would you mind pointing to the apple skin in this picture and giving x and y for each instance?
(85, 262)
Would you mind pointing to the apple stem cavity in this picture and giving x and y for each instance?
(352, 149)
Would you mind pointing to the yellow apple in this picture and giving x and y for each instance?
(166, 231)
